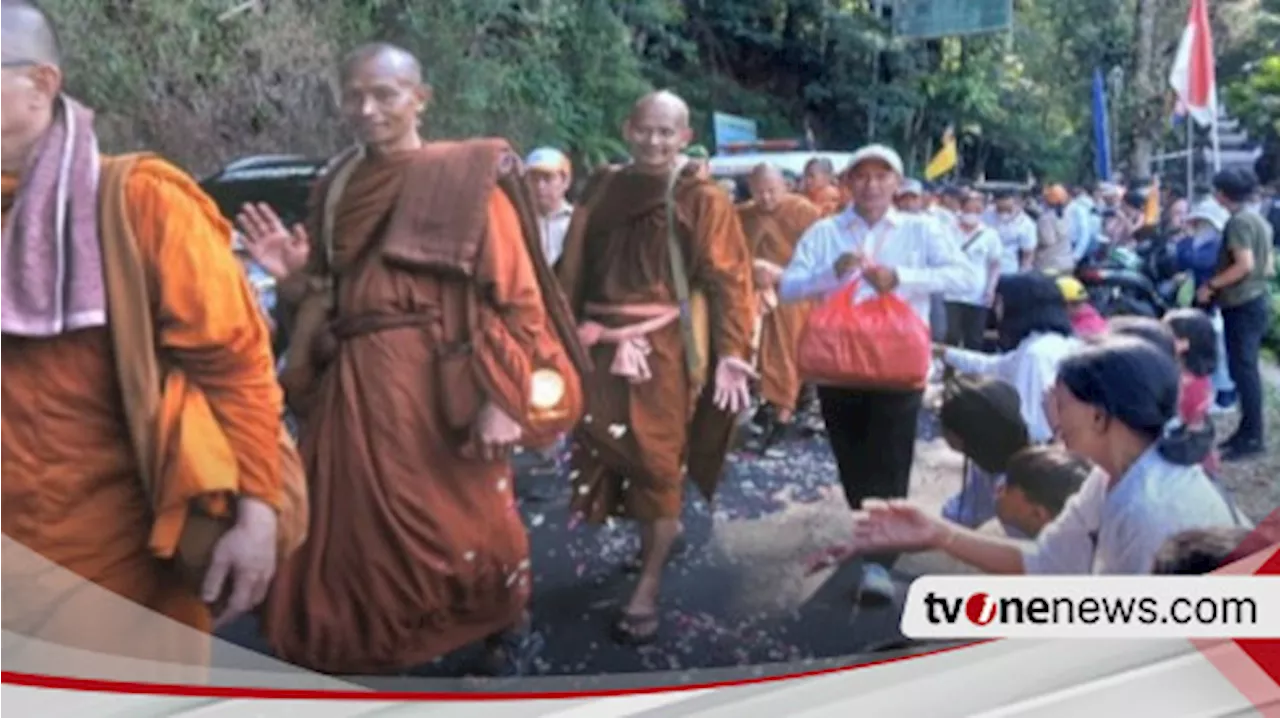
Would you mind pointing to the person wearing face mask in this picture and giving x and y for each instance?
(980, 244)
(1197, 254)
(1017, 233)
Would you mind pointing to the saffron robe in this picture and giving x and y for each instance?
(772, 237)
(631, 448)
(415, 550)
(71, 492)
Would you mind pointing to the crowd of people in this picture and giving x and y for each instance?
(446, 305)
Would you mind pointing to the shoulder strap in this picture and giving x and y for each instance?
(680, 277)
(976, 236)
(342, 167)
(129, 310)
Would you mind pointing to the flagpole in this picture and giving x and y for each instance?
(1191, 180)
(1217, 149)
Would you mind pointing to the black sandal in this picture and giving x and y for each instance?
(629, 628)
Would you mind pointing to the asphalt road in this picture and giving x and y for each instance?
(719, 593)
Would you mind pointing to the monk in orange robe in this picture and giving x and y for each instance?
(426, 347)
(647, 412)
(72, 492)
(773, 221)
(820, 186)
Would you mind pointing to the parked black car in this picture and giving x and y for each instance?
(282, 181)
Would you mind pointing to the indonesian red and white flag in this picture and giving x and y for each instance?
(1192, 76)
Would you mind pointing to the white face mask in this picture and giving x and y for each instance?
(969, 219)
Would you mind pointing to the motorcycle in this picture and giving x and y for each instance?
(1138, 281)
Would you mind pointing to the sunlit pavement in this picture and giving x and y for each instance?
(736, 595)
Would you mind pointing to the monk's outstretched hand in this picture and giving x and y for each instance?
(496, 434)
(281, 251)
(733, 385)
(246, 555)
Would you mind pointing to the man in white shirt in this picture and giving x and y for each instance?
(1017, 233)
(980, 244)
(873, 431)
(549, 173)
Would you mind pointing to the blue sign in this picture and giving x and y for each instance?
(732, 128)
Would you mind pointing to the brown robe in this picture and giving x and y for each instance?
(416, 548)
(772, 237)
(71, 492)
(631, 448)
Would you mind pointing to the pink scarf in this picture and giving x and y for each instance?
(51, 263)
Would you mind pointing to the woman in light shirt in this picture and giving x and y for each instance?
(1035, 334)
(1111, 404)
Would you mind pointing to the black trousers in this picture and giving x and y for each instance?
(966, 325)
(1243, 329)
(873, 437)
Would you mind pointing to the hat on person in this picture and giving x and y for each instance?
(1211, 212)
(879, 153)
(697, 152)
(548, 159)
(911, 187)
(1072, 290)
(1056, 194)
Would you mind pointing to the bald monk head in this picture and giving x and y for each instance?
(768, 186)
(657, 131)
(818, 174)
(32, 79)
(383, 96)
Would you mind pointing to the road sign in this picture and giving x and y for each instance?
(927, 19)
(732, 128)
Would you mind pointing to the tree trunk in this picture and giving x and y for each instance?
(1144, 99)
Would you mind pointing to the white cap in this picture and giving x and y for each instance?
(876, 152)
(1211, 212)
(911, 187)
(547, 159)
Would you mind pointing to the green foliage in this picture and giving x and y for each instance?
(1255, 98)
(203, 85)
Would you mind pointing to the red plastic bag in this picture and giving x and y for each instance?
(878, 343)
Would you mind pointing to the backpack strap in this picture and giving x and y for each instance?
(680, 278)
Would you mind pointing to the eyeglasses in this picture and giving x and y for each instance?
(13, 64)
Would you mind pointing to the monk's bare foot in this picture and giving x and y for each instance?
(636, 629)
(634, 564)
(638, 623)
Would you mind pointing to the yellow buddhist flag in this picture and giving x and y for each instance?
(945, 160)
(1151, 212)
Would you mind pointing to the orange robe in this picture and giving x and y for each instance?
(772, 237)
(414, 550)
(71, 493)
(829, 199)
(631, 447)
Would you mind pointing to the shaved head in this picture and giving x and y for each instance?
(765, 172)
(662, 102)
(657, 131)
(27, 36)
(768, 186)
(383, 97)
(384, 59)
